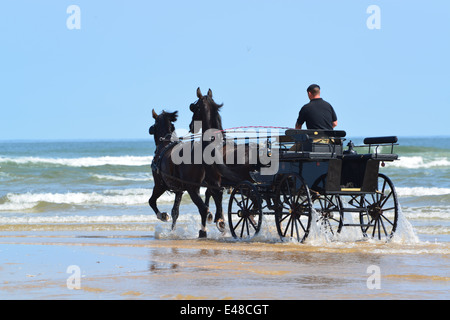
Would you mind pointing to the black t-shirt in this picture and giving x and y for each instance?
(318, 114)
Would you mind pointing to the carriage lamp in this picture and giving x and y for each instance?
(269, 148)
(350, 150)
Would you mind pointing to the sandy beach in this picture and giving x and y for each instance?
(75, 224)
(135, 265)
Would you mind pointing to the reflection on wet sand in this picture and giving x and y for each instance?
(134, 265)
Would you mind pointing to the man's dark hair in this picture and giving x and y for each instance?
(314, 89)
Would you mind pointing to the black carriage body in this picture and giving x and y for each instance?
(319, 158)
(315, 175)
(348, 175)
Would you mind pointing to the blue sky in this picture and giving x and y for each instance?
(257, 56)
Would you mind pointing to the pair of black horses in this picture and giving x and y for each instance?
(190, 176)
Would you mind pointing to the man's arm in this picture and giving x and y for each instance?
(300, 120)
(334, 118)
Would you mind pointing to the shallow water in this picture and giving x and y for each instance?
(134, 264)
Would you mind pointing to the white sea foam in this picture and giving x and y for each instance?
(418, 162)
(184, 218)
(427, 213)
(84, 161)
(15, 202)
(145, 177)
(124, 197)
(79, 219)
(421, 191)
(405, 232)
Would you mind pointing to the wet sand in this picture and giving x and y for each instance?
(135, 265)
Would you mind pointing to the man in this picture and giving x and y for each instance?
(318, 114)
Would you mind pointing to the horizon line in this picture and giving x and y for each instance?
(26, 140)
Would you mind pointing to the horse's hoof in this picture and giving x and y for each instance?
(202, 234)
(209, 218)
(163, 216)
(221, 225)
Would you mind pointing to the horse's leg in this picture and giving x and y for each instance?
(218, 219)
(213, 180)
(202, 208)
(176, 207)
(208, 195)
(157, 192)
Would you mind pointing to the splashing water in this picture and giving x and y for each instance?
(320, 234)
(405, 232)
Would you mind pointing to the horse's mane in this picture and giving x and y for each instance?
(216, 118)
(166, 119)
(171, 116)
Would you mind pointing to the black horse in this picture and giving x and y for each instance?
(169, 176)
(206, 111)
(214, 173)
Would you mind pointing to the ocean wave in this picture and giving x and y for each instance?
(421, 191)
(78, 219)
(82, 162)
(427, 213)
(434, 230)
(145, 177)
(121, 197)
(418, 162)
(28, 201)
(94, 219)
(4, 176)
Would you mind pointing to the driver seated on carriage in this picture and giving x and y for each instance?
(318, 114)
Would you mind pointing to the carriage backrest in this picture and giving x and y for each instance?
(380, 141)
(316, 141)
(305, 135)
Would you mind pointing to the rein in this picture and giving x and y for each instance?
(194, 136)
(156, 165)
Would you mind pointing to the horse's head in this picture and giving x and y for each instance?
(206, 111)
(163, 127)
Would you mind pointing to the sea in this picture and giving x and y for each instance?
(104, 186)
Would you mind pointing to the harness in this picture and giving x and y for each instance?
(156, 162)
(156, 166)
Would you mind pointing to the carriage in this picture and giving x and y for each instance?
(316, 182)
(319, 182)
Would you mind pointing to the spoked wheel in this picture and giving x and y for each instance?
(379, 220)
(293, 212)
(330, 215)
(244, 211)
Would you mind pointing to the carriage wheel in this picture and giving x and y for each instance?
(293, 212)
(244, 211)
(329, 213)
(380, 219)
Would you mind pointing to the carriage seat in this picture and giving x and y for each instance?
(323, 141)
(304, 135)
